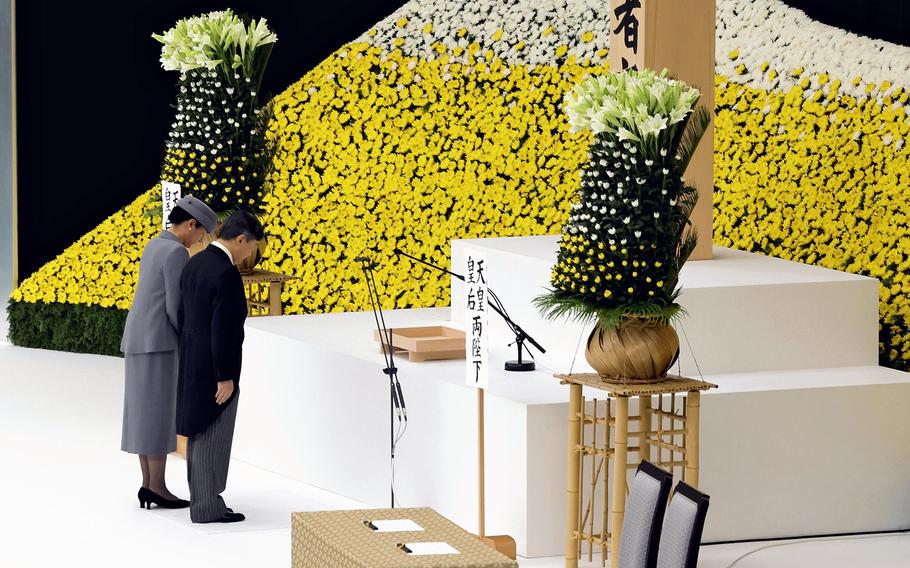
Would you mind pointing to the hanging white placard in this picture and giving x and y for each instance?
(170, 195)
(477, 330)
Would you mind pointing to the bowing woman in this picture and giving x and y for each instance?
(149, 344)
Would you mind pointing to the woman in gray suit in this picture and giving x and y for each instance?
(150, 347)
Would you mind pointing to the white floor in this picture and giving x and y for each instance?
(68, 495)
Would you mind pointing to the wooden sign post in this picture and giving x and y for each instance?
(477, 375)
(677, 36)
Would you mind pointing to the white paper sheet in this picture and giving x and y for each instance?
(397, 525)
(429, 548)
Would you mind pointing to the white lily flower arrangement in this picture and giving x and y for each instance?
(644, 107)
(217, 39)
(623, 268)
(221, 59)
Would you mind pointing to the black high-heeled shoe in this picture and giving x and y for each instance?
(142, 498)
(149, 497)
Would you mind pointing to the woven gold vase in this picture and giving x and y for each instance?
(637, 351)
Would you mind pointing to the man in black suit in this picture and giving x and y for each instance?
(212, 311)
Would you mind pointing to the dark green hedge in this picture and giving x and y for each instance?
(66, 327)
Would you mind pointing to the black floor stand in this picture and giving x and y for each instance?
(520, 365)
(396, 397)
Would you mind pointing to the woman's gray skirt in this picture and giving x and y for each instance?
(150, 404)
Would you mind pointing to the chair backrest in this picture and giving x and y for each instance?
(643, 518)
(683, 525)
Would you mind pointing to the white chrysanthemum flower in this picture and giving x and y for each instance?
(769, 36)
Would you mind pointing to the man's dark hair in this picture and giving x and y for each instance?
(242, 223)
(179, 215)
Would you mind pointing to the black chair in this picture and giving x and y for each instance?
(683, 526)
(643, 518)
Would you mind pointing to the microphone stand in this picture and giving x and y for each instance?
(493, 301)
(396, 402)
(505, 544)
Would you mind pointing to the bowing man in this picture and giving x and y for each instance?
(212, 312)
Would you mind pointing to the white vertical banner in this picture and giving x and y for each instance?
(626, 39)
(170, 195)
(477, 331)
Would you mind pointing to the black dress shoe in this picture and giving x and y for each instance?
(229, 517)
(150, 497)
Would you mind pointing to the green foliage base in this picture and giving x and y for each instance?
(77, 328)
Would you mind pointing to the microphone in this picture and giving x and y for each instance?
(399, 252)
(397, 404)
(392, 372)
(492, 301)
(404, 408)
(366, 261)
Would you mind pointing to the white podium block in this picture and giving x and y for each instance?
(316, 409)
(782, 453)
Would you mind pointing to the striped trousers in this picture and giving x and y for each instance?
(208, 455)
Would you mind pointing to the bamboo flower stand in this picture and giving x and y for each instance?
(666, 434)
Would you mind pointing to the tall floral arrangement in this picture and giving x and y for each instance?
(629, 232)
(217, 147)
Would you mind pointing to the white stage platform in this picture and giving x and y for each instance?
(806, 435)
(58, 407)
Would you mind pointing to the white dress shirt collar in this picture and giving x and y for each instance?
(225, 249)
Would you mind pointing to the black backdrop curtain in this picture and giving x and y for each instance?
(881, 19)
(94, 105)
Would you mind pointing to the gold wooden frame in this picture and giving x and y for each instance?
(14, 143)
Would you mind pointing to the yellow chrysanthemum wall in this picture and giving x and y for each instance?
(445, 121)
(434, 125)
(811, 156)
(412, 168)
(102, 267)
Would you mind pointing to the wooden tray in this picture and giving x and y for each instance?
(431, 343)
